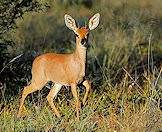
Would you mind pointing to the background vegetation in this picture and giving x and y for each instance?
(124, 64)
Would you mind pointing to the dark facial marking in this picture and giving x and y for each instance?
(84, 41)
(77, 35)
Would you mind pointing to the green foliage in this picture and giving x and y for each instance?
(87, 3)
(10, 11)
(124, 65)
(95, 116)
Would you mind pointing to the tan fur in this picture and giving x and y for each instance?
(82, 31)
(64, 69)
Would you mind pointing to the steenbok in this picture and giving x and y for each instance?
(62, 69)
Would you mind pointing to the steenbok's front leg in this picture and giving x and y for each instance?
(75, 94)
(53, 92)
(87, 85)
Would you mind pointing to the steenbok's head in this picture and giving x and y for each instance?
(82, 32)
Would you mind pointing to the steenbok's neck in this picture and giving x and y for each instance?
(80, 51)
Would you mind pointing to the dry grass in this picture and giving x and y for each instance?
(123, 64)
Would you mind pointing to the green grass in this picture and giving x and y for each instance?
(118, 109)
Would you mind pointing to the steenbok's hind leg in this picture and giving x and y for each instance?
(53, 92)
(27, 90)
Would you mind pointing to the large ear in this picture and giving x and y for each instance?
(94, 21)
(70, 22)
